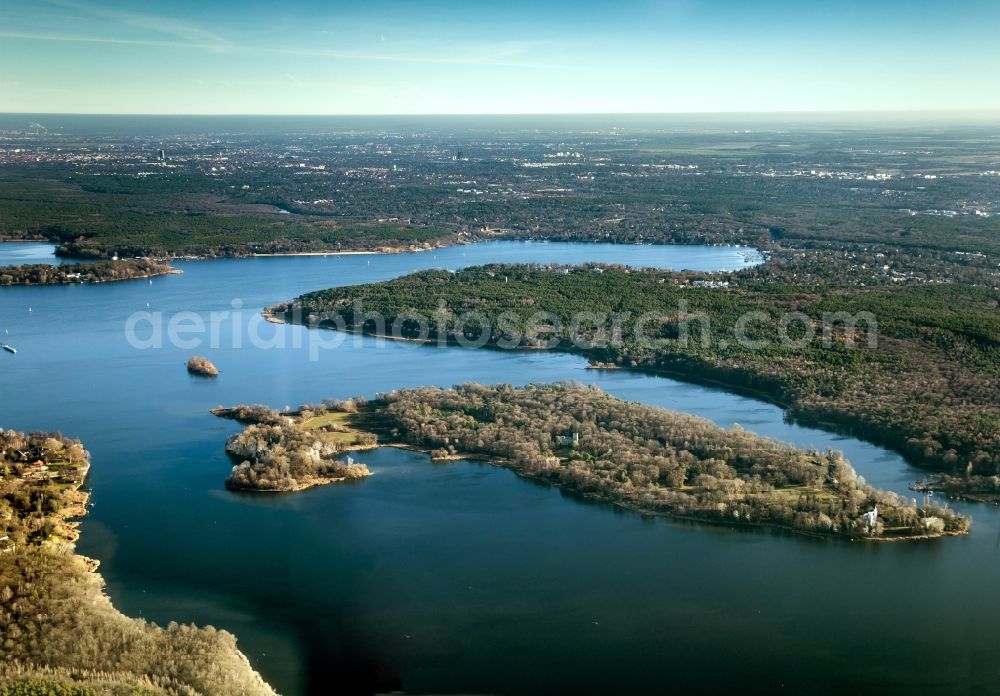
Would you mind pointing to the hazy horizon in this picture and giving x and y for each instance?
(360, 114)
(389, 57)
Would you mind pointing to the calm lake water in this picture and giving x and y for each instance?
(17, 253)
(460, 577)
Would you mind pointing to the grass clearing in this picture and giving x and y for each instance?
(336, 423)
(337, 419)
(819, 493)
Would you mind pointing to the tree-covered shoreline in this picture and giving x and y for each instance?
(925, 387)
(59, 632)
(83, 273)
(642, 458)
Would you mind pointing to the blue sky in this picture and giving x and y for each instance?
(432, 56)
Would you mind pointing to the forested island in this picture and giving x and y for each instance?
(925, 382)
(589, 443)
(59, 633)
(294, 451)
(74, 273)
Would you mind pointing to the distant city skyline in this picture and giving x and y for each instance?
(437, 57)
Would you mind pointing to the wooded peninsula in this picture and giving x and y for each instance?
(589, 443)
(925, 386)
(78, 273)
(60, 632)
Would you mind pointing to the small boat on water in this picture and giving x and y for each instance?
(9, 349)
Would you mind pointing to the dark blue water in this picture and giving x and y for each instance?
(460, 576)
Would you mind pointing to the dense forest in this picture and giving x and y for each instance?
(96, 272)
(291, 452)
(17, 679)
(648, 459)
(59, 632)
(134, 219)
(173, 235)
(925, 383)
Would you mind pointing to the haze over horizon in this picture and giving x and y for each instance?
(390, 57)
